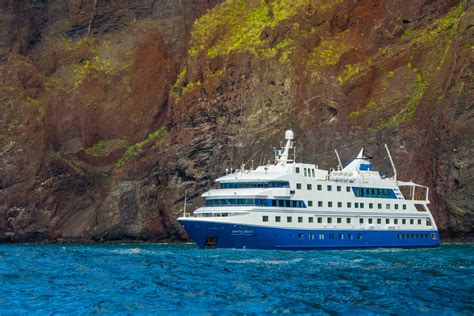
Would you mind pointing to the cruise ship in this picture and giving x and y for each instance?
(297, 206)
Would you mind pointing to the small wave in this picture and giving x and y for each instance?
(272, 262)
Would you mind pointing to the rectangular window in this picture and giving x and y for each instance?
(348, 189)
(329, 204)
(309, 186)
(341, 236)
(338, 188)
(404, 206)
(321, 236)
(339, 220)
(404, 221)
(312, 171)
(388, 206)
(419, 222)
(395, 221)
(289, 219)
(379, 221)
(277, 219)
(329, 220)
(350, 236)
(304, 172)
(370, 220)
(356, 205)
(310, 219)
(433, 236)
(300, 219)
(361, 221)
(359, 236)
(300, 236)
(361, 205)
(428, 222)
(297, 170)
(411, 222)
(396, 206)
(265, 218)
(329, 188)
(320, 187)
(320, 203)
(387, 221)
(311, 236)
(310, 203)
(339, 204)
(320, 220)
(348, 204)
(298, 186)
(348, 220)
(379, 206)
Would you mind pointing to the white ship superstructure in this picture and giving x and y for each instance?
(290, 205)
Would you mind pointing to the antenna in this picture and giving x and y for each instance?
(338, 159)
(391, 161)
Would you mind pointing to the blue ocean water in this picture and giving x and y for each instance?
(182, 279)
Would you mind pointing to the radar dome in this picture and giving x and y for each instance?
(289, 134)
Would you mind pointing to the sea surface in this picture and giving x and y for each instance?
(182, 279)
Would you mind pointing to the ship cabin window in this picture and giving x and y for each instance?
(395, 221)
(320, 220)
(361, 205)
(404, 221)
(339, 220)
(310, 219)
(348, 189)
(388, 206)
(274, 203)
(371, 205)
(320, 187)
(348, 220)
(349, 236)
(379, 221)
(320, 203)
(281, 203)
(311, 236)
(289, 219)
(300, 236)
(370, 220)
(277, 219)
(404, 206)
(265, 218)
(419, 222)
(312, 171)
(359, 236)
(387, 221)
(348, 204)
(300, 219)
(298, 186)
(356, 205)
(329, 188)
(411, 222)
(379, 206)
(287, 203)
(321, 236)
(339, 204)
(264, 184)
(361, 221)
(297, 169)
(329, 220)
(329, 204)
(338, 188)
(310, 203)
(341, 236)
(304, 172)
(428, 222)
(433, 236)
(396, 206)
(309, 186)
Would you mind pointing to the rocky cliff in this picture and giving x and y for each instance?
(110, 110)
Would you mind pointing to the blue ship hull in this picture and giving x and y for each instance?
(220, 235)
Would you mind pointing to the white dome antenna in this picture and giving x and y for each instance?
(289, 135)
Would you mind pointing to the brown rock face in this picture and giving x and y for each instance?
(111, 111)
